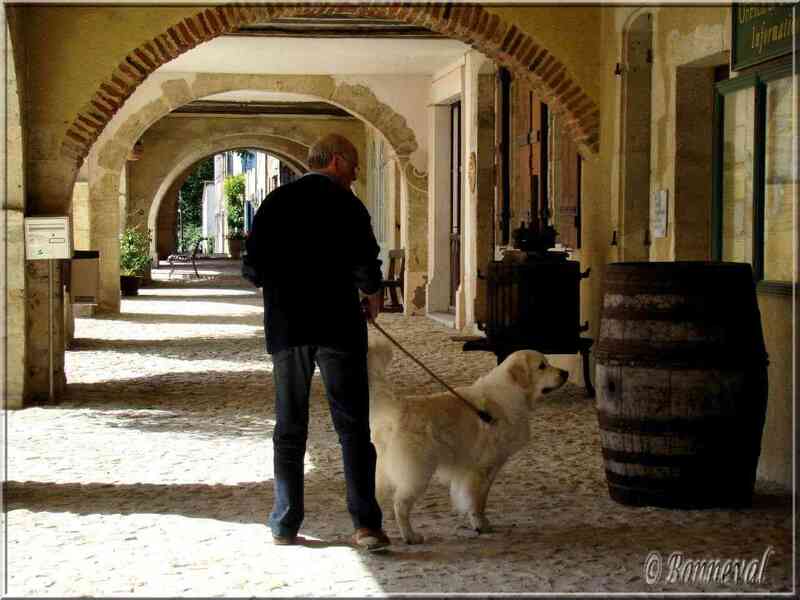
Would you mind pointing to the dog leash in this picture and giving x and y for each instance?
(482, 414)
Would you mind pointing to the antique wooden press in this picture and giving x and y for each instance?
(533, 293)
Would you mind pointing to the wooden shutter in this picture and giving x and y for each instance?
(568, 202)
(502, 164)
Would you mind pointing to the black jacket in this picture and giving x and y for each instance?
(313, 245)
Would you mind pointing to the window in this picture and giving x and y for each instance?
(754, 181)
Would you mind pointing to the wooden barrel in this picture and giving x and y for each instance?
(681, 383)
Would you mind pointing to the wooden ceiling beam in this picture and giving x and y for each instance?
(227, 107)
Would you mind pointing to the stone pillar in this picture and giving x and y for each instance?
(104, 191)
(69, 322)
(12, 252)
(37, 329)
(13, 349)
(414, 212)
(81, 226)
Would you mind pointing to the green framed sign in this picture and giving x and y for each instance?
(761, 32)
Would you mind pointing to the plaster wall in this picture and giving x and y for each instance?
(402, 95)
(571, 33)
(680, 37)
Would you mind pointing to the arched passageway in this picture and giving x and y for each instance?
(110, 152)
(180, 158)
(102, 115)
(162, 219)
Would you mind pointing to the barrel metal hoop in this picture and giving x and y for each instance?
(673, 426)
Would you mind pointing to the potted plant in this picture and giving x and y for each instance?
(234, 194)
(134, 259)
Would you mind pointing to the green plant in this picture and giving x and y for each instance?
(191, 235)
(234, 193)
(209, 245)
(191, 194)
(134, 252)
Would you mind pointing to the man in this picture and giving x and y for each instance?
(313, 245)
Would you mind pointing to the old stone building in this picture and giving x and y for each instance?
(649, 133)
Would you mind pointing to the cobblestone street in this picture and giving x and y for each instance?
(153, 477)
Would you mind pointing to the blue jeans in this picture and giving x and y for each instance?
(344, 375)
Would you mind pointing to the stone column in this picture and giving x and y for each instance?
(37, 382)
(104, 191)
(49, 180)
(81, 226)
(414, 213)
(12, 254)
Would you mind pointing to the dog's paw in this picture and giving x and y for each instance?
(413, 538)
(480, 524)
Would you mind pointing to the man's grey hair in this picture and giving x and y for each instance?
(321, 152)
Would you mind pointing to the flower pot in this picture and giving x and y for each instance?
(234, 247)
(146, 277)
(129, 285)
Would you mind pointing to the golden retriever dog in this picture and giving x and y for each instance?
(419, 436)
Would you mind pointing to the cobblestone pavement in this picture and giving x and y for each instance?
(154, 478)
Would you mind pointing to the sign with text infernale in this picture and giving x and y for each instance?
(761, 32)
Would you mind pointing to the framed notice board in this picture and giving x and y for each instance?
(761, 32)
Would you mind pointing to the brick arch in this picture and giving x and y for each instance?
(292, 152)
(471, 24)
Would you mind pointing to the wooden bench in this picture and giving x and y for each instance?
(394, 282)
(185, 257)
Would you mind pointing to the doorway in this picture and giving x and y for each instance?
(455, 203)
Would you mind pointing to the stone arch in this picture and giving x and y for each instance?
(111, 149)
(289, 151)
(472, 24)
